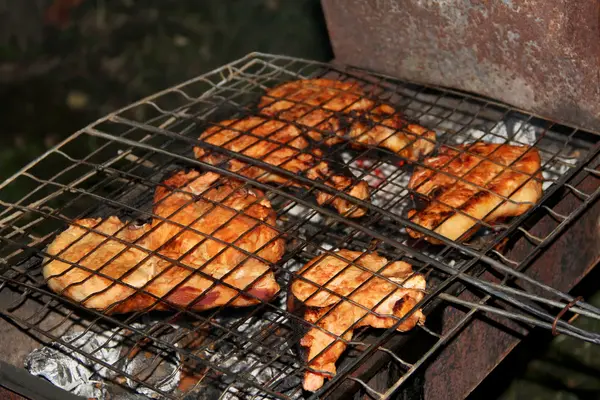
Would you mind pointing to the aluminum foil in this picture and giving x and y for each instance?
(249, 354)
(261, 353)
(90, 376)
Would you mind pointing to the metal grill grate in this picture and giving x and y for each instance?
(252, 352)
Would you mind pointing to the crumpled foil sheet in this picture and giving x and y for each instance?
(250, 353)
(84, 376)
(257, 354)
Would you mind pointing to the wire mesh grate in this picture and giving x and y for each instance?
(253, 352)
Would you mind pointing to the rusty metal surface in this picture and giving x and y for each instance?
(483, 344)
(539, 55)
(9, 395)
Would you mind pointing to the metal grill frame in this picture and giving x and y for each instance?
(250, 71)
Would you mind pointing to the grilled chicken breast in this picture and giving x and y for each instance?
(108, 270)
(284, 145)
(118, 274)
(315, 103)
(339, 111)
(391, 299)
(472, 183)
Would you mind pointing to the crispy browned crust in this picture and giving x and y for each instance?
(396, 298)
(341, 111)
(329, 94)
(208, 204)
(487, 172)
(281, 144)
(333, 111)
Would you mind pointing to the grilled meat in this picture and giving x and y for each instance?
(390, 299)
(110, 254)
(483, 181)
(133, 278)
(314, 103)
(230, 214)
(382, 126)
(340, 111)
(280, 144)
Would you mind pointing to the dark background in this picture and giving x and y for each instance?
(65, 63)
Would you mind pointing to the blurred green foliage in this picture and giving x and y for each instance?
(568, 369)
(110, 53)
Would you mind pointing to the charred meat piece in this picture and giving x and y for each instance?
(340, 306)
(220, 210)
(472, 183)
(382, 126)
(283, 145)
(314, 103)
(341, 111)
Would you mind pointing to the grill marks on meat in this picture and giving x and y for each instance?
(342, 112)
(230, 214)
(383, 127)
(204, 202)
(489, 174)
(323, 110)
(339, 317)
(283, 145)
(314, 103)
(98, 253)
(200, 216)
